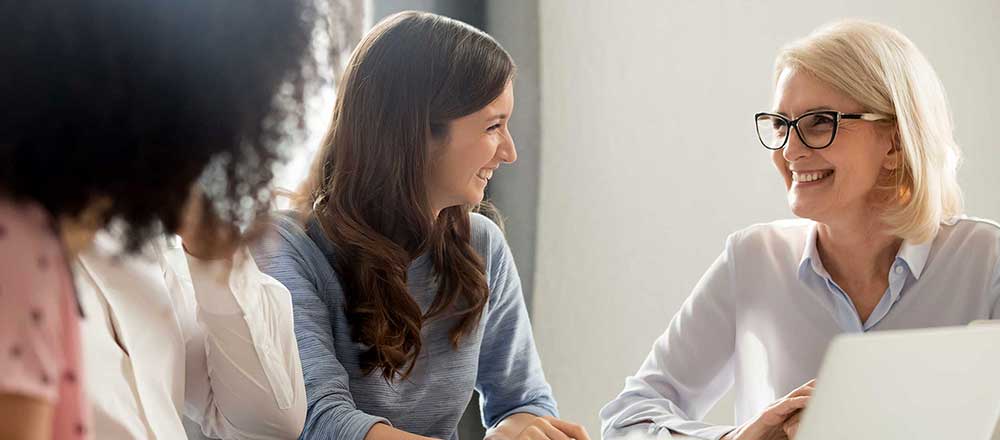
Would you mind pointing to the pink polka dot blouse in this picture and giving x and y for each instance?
(39, 327)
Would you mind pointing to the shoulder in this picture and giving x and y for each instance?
(35, 298)
(291, 246)
(285, 232)
(25, 228)
(290, 225)
(778, 235)
(31, 255)
(979, 228)
(487, 238)
(971, 236)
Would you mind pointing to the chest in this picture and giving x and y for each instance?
(135, 347)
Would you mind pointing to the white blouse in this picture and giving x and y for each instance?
(167, 336)
(761, 318)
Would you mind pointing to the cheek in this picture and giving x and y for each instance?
(857, 170)
(448, 170)
(487, 150)
(781, 166)
(462, 163)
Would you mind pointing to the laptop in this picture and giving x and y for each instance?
(927, 384)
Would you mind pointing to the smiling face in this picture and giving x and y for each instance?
(837, 182)
(475, 147)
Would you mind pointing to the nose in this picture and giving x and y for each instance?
(795, 149)
(506, 151)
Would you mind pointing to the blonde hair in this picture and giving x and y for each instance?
(881, 69)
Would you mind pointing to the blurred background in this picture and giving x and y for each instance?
(638, 156)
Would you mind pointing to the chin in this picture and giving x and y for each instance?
(807, 212)
(799, 209)
(474, 199)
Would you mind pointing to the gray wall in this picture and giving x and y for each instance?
(649, 158)
(514, 189)
(469, 11)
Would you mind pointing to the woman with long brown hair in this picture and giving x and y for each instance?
(404, 300)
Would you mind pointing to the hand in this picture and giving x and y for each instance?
(791, 426)
(204, 234)
(551, 428)
(779, 421)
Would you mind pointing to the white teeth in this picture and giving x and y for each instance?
(485, 174)
(811, 176)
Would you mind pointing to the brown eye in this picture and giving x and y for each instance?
(819, 122)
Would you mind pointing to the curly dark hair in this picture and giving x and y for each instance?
(135, 100)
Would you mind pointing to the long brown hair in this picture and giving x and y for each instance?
(410, 76)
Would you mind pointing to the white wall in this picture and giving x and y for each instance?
(649, 157)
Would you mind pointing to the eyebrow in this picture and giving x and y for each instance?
(823, 108)
(500, 116)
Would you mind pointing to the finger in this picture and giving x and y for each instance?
(571, 429)
(531, 433)
(794, 418)
(551, 432)
(791, 426)
(780, 411)
(800, 392)
(803, 389)
(791, 430)
(536, 433)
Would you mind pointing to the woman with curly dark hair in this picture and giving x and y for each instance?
(112, 110)
(404, 300)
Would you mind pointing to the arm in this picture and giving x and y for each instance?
(510, 379)
(331, 412)
(26, 418)
(33, 320)
(688, 369)
(249, 385)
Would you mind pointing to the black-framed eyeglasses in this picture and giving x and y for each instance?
(816, 129)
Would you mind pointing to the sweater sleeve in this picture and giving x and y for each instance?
(510, 379)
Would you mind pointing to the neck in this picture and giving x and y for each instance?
(436, 208)
(75, 237)
(859, 249)
(79, 231)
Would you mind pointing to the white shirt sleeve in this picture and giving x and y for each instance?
(689, 368)
(246, 381)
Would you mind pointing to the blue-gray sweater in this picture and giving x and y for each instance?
(498, 359)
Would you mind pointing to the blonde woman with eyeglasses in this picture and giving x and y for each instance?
(861, 135)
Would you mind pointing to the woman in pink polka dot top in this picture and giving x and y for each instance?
(112, 110)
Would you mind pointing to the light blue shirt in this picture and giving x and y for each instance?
(907, 267)
(498, 359)
(760, 320)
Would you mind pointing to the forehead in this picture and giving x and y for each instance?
(501, 105)
(797, 91)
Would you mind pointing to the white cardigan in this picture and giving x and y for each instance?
(166, 336)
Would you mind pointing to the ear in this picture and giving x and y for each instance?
(437, 142)
(894, 157)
